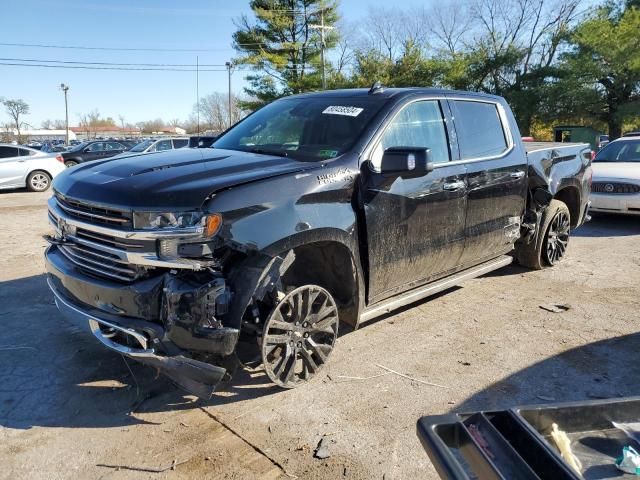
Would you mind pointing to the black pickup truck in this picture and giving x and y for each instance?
(334, 205)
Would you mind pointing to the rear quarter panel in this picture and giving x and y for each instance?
(560, 166)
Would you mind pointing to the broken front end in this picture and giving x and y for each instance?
(151, 286)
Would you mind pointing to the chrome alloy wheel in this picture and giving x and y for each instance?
(39, 182)
(557, 238)
(299, 335)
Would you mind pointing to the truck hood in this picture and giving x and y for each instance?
(616, 170)
(175, 179)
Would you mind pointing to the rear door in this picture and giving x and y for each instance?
(415, 226)
(112, 148)
(13, 167)
(93, 151)
(496, 176)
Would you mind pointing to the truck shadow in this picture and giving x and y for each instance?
(609, 225)
(53, 374)
(604, 369)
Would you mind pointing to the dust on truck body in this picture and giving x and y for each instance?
(320, 208)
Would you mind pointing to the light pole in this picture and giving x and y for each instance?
(229, 66)
(65, 89)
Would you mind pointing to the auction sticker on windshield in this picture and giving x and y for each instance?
(343, 110)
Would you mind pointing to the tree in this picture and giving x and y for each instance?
(514, 48)
(282, 46)
(92, 121)
(16, 109)
(53, 124)
(600, 75)
(214, 111)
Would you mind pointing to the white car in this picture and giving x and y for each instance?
(616, 177)
(25, 167)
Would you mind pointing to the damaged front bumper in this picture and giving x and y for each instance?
(162, 322)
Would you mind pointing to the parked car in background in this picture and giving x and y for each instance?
(95, 150)
(26, 167)
(51, 148)
(160, 145)
(632, 134)
(616, 177)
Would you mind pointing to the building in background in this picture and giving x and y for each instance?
(37, 135)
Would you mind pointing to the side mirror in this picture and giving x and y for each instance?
(406, 162)
(86, 150)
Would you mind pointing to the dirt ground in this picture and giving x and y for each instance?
(71, 409)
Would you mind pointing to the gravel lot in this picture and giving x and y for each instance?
(66, 403)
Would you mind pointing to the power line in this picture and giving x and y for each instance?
(111, 63)
(85, 67)
(119, 49)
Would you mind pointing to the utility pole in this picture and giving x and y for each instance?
(323, 45)
(65, 89)
(229, 66)
(198, 92)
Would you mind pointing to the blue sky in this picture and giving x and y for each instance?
(137, 95)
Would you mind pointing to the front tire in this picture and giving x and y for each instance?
(70, 163)
(299, 335)
(38, 181)
(551, 242)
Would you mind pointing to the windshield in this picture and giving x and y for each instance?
(306, 129)
(142, 146)
(624, 151)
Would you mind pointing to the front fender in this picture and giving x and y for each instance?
(280, 213)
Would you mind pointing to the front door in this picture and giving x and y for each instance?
(13, 168)
(415, 226)
(496, 178)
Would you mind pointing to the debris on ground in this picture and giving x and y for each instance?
(408, 377)
(173, 466)
(322, 450)
(546, 398)
(555, 308)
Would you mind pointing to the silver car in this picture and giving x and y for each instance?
(25, 167)
(158, 145)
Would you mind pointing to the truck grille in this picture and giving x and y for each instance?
(93, 213)
(99, 263)
(615, 188)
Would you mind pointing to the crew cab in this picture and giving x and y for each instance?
(319, 208)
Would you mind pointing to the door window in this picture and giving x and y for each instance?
(114, 146)
(163, 145)
(8, 152)
(419, 124)
(96, 147)
(480, 130)
(180, 142)
(25, 152)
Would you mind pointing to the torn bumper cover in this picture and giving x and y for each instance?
(159, 322)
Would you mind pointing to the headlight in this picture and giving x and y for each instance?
(207, 224)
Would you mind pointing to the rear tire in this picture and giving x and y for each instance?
(70, 163)
(38, 181)
(552, 239)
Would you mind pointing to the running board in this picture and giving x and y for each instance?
(419, 293)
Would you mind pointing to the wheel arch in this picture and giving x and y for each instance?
(570, 196)
(34, 170)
